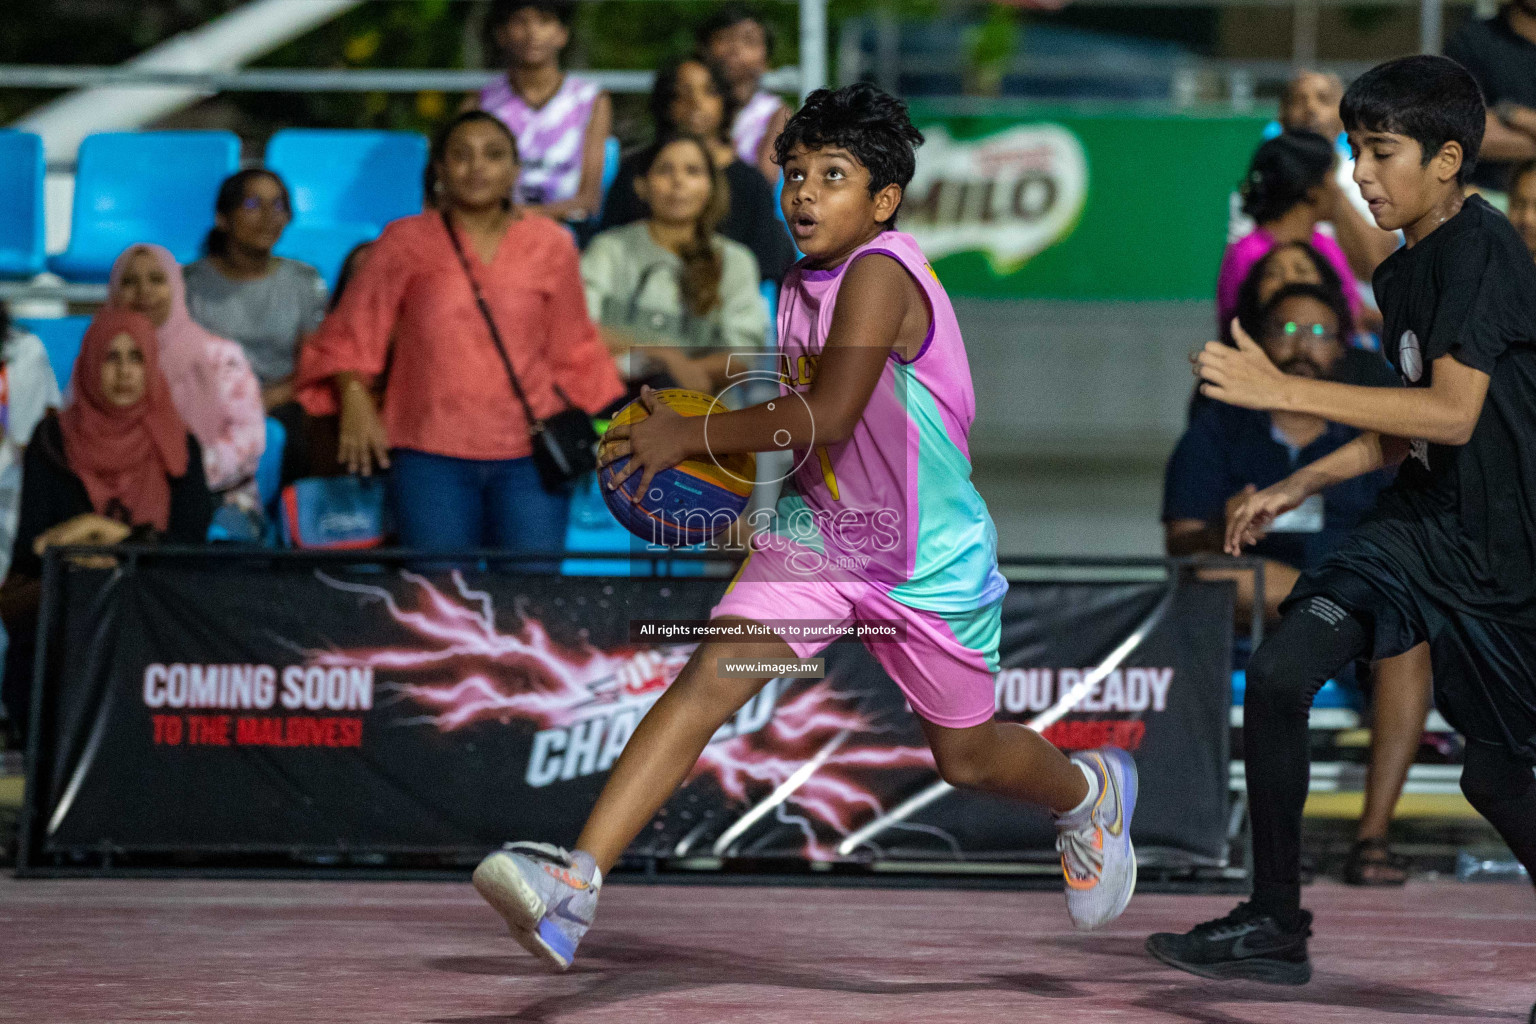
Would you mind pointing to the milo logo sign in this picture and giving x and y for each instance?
(1010, 195)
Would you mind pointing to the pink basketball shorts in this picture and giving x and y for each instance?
(946, 665)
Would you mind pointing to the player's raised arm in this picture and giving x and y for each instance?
(1443, 413)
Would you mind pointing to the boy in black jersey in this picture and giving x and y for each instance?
(1448, 554)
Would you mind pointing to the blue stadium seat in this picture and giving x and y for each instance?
(61, 338)
(133, 187)
(770, 290)
(346, 185)
(1332, 694)
(592, 529)
(22, 252)
(269, 469)
(611, 158)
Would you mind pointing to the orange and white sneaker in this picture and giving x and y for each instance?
(1095, 843)
(547, 896)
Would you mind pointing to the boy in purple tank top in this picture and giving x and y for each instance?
(740, 41)
(561, 122)
(882, 524)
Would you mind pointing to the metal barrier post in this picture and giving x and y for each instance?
(813, 46)
(1431, 25)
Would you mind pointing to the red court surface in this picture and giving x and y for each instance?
(233, 952)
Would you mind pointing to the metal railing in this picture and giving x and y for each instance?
(85, 76)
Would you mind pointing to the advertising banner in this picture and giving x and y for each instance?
(345, 708)
(1027, 201)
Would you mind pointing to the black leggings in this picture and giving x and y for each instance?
(1313, 642)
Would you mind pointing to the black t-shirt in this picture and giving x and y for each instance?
(1461, 520)
(752, 219)
(1504, 64)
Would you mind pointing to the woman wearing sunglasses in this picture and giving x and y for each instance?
(267, 303)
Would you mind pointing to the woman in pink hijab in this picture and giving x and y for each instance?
(211, 382)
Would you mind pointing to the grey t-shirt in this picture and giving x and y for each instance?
(633, 284)
(269, 316)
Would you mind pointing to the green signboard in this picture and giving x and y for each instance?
(1054, 202)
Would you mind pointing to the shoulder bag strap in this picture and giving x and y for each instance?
(633, 308)
(490, 323)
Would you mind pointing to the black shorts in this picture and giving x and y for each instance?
(1484, 669)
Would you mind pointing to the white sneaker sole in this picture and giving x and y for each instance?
(501, 885)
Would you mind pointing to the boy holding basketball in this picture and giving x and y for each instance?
(883, 524)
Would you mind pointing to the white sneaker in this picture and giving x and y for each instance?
(1097, 858)
(545, 894)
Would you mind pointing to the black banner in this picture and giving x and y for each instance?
(358, 708)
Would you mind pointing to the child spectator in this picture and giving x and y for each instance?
(266, 303)
(741, 42)
(669, 283)
(451, 432)
(211, 382)
(1522, 203)
(692, 95)
(117, 464)
(28, 389)
(561, 121)
(1286, 193)
(240, 291)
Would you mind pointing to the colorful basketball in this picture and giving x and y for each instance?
(689, 503)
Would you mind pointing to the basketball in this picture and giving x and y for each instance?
(689, 503)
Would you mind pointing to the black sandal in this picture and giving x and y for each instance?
(1372, 862)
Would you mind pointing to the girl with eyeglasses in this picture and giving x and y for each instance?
(268, 304)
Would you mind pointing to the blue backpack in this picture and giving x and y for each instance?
(341, 513)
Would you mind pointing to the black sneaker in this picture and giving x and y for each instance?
(1247, 943)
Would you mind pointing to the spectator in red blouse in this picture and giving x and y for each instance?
(451, 431)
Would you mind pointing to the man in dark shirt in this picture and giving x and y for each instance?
(1227, 449)
(1501, 54)
(1448, 555)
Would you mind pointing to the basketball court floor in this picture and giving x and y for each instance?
(255, 952)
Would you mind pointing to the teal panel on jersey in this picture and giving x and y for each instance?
(956, 559)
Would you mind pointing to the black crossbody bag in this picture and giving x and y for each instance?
(564, 445)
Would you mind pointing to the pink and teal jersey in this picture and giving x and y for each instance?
(893, 505)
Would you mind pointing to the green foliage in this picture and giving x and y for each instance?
(89, 32)
(610, 34)
(400, 34)
(992, 45)
(1366, 20)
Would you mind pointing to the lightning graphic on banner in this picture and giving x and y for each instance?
(586, 702)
